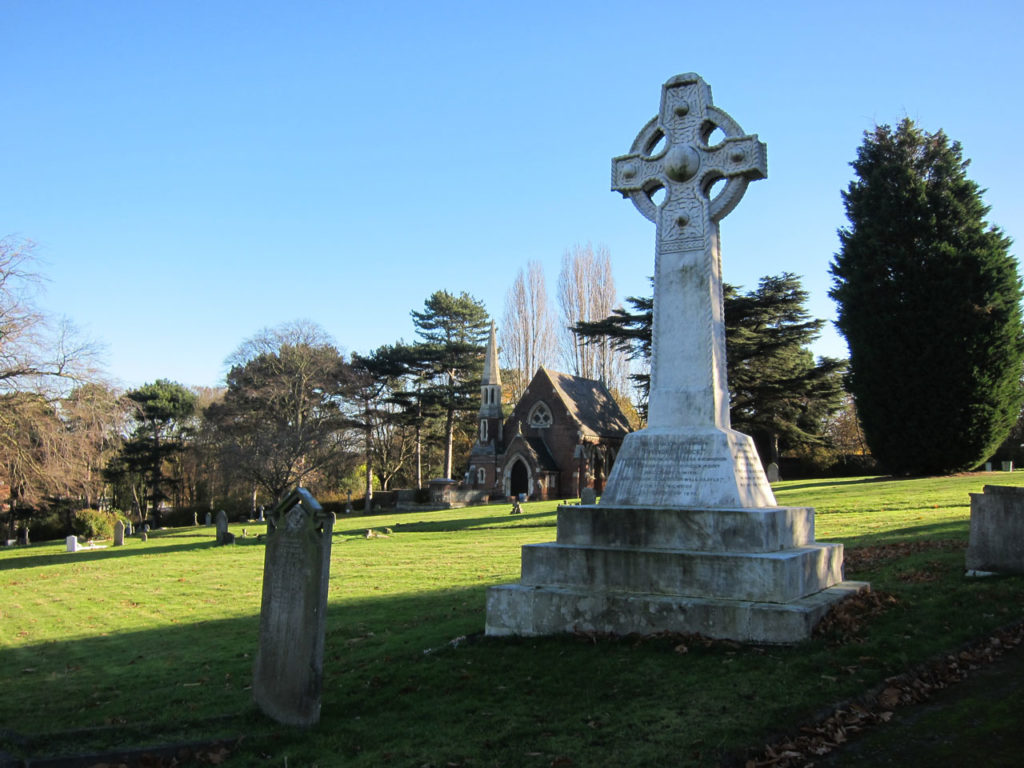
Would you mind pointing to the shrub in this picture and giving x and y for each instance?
(93, 524)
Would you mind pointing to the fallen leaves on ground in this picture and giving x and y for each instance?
(846, 619)
(864, 558)
(912, 687)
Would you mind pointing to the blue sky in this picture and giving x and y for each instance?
(195, 171)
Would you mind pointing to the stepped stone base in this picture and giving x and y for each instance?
(515, 609)
(746, 574)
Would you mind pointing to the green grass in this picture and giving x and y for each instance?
(153, 642)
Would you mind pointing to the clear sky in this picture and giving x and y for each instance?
(196, 170)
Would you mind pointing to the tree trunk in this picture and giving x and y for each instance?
(449, 440)
(368, 495)
(419, 457)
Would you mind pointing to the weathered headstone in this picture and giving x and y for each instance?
(119, 534)
(222, 526)
(687, 536)
(209, 519)
(72, 544)
(996, 542)
(772, 472)
(588, 496)
(288, 671)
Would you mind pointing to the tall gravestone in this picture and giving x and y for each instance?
(687, 536)
(288, 671)
(222, 527)
(119, 534)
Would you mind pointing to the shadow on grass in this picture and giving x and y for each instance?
(951, 529)
(189, 682)
(837, 482)
(441, 526)
(133, 548)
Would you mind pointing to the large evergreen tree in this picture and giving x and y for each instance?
(778, 392)
(162, 409)
(453, 332)
(929, 303)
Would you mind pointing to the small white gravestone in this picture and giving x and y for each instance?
(72, 543)
(288, 671)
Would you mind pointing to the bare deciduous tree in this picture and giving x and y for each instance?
(36, 354)
(528, 329)
(586, 293)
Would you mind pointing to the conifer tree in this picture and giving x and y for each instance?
(778, 393)
(929, 302)
(453, 334)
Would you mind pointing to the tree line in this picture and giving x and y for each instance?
(928, 297)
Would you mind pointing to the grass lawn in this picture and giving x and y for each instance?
(152, 643)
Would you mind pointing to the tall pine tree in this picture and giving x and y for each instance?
(778, 393)
(929, 302)
(453, 334)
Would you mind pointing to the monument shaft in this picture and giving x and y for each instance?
(688, 456)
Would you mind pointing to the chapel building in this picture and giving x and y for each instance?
(561, 437)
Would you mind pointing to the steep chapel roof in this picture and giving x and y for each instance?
(590, 403)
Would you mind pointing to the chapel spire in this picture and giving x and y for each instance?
(492, 373)
(490, 389)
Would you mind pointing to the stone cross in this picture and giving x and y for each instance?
(688, 384)
(689, 456)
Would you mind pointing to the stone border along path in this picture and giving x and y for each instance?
(827, 736)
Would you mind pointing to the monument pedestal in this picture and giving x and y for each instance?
(707, 467)
(752, 575)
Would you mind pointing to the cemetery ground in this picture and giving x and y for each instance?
(152, 644)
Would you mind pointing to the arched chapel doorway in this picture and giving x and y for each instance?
(519, 478)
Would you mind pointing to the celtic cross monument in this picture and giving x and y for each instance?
(688, 456)
(687, 536)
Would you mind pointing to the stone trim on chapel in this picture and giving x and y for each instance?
(561, 437)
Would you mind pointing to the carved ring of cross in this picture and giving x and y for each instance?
(680, 160)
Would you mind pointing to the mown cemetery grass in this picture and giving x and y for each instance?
(152, 643)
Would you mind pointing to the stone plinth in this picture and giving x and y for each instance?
(996, 541)
(753, 575)
(709, 467)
